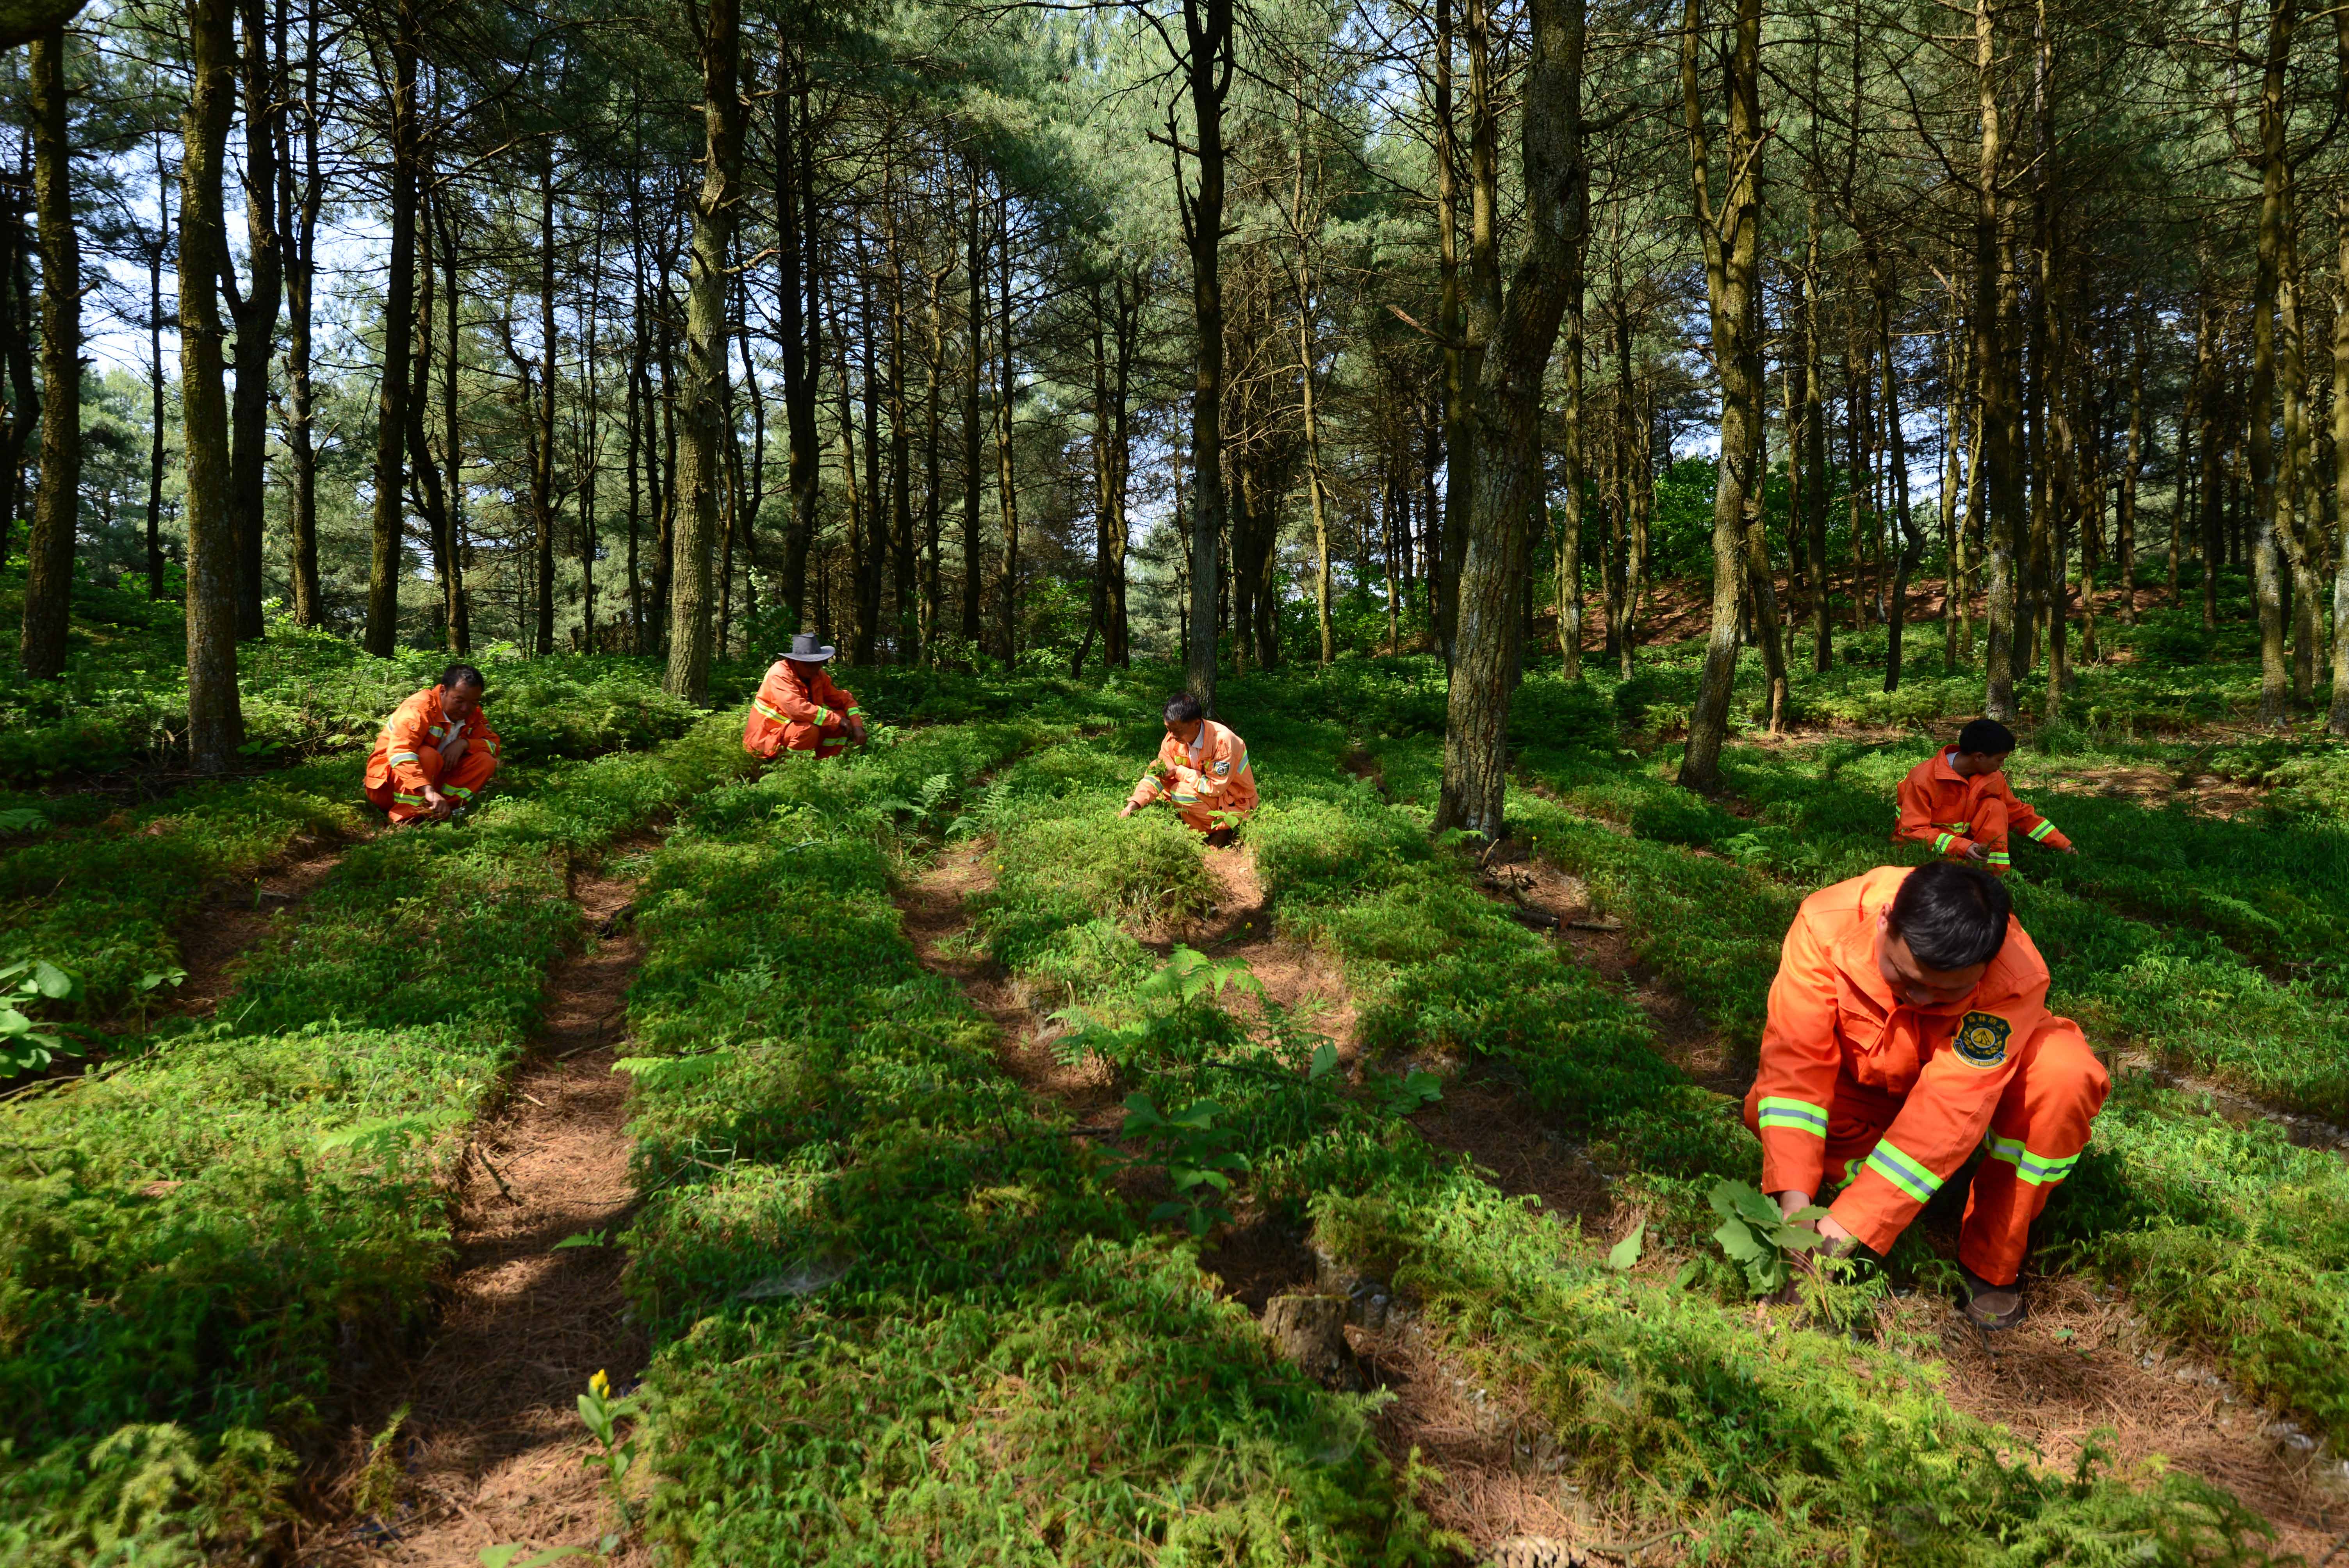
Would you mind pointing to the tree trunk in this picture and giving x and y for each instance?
(796, 326)
(215, 719)
(702, 469)
(973, 550)
(1731, 235)
(541, 468)
(301, 281)
(933, 605)
(398, 330)
(1459, 377)
(1305, 360)
(1006, 399)
(901, 454)
(299, 435)
(2338, 719)
(454, 602)
(2275, 176)
(1993, 261)
(1509, 464)
(1207, 33)
(1908, 543)
(1570, 448)
(256, 312)
(56, 509)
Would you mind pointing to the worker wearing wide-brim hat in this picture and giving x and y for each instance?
(799, 708)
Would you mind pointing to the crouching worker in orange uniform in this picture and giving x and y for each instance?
(436, 752)
(799, 710)
(1203, 768)
(1959, 803)
(1909, 1027)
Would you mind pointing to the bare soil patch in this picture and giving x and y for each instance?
(1303, 980)
(1486, 1119)
(2144, 785)
(240, 915)
(491, 1450)
(931, 903)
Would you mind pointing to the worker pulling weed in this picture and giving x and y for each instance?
(798, 707)
(1203, 769)
(437, 753)
(1958, 801)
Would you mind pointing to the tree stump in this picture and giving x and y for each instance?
(1310, 1330)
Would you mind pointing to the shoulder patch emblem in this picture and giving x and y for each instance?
(1982, 1040)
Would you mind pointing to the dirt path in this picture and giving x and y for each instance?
(241, 913)
(489, 1452)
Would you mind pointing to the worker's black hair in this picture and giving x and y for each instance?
(1986, 735)
(1183, 708)
(463, 675)
(1951, 914)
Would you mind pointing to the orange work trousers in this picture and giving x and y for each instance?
(2036, 1134)
(460, 783)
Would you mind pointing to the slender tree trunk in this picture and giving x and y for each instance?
(215, 719)
(1207, 32)
(2275, 176)
(1006, 409)
(454, 602)
(541, 468)
(398, 332)
(56, 509)
(1129, 296)
(300, 436)
(702, 471)
(1305, 360)
(1814, 441)
(1994, 262)
(1731, 234)
(256, 312)
(974, 550)
(1569, 449)
(1492, 575)
(2337, 720)
(1909, 542)
(1451, 325)
(901, 457)
(2298, 530)
(301, 281)
(933, 603)
(23, 404)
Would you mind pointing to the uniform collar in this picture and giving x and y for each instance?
(1941, 769)
(1855, 954)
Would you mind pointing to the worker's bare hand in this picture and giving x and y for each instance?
(1125, 811)
(1977, 852)
(454, 748)
(439, 804)
(856, 732)
(2071, 849)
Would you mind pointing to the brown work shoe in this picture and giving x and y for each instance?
(1991, 1305)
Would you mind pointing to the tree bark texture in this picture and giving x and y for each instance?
(56, 509)
(701, 465)
(1731, 234)
(215, 717)
(1493, 574)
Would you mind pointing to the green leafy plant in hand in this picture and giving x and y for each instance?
(1759, 1238)
(28, 1044)
(1198, 1156)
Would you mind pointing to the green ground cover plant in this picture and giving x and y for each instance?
(905, 1315)
(197, 1239)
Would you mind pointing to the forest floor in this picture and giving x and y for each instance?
(481, 1424)
(242, 914)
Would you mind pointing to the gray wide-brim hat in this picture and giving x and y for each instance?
(805, 651)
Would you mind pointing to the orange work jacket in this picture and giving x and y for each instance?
(1836, 1034)
(415, 725)
(796, 706)
(1218, 778)
(1938, 805)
